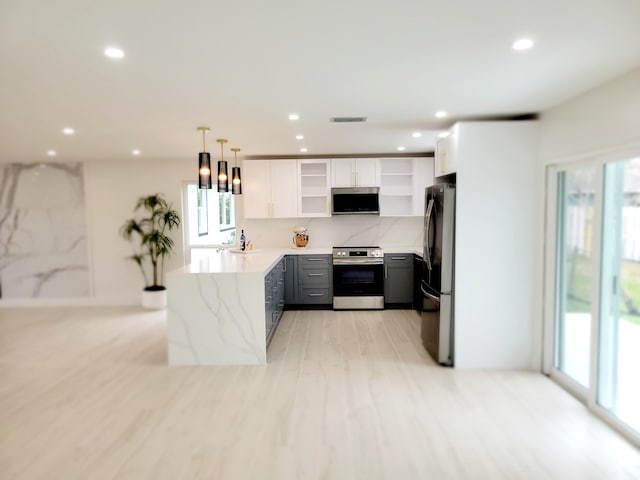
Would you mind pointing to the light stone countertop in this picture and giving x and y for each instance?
(261, 260)
(255, 261)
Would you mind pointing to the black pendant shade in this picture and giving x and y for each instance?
(204, 171)
(223, 177)
(204, 163)
(223, 172)
(236, 181)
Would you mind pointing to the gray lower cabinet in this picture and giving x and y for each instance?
(398, 279)
(274, 294)
(291, 279)
(315, 280)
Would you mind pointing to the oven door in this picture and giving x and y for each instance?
(360, 280)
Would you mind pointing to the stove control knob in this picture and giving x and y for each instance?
(376, 253)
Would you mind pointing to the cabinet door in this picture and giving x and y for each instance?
(284, 189)
(440, 164)
(255, 188)
(290, 279)
(366, 172)
(268, 303)
(446, 154)
(398, 282)
(422, 178)
(342, 173)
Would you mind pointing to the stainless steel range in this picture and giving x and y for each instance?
(358, 278)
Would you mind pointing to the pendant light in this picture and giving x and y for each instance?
(204, 163)
(236, 181)
(223, 178)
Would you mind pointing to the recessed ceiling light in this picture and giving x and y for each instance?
(51, 153)
(299, 137)
(294, 116)
(303, 150)
(522, 44)
(443, 134)
(400, 149)
(416, 134)
(135, 152)
(68, 131)
(113, 52)
(441, 114)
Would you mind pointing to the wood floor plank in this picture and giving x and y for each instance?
(87, 393)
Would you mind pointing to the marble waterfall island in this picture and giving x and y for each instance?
(216, 309)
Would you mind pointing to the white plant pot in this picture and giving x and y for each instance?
(154, 300)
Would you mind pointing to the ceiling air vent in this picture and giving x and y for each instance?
(348, 119)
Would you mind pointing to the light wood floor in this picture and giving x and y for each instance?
(86, 393)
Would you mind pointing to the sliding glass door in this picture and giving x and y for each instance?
(575, 273)
(594, 340)
(619, 333)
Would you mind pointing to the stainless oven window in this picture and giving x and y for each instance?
(355, 280)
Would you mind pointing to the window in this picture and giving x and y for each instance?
(227, 212)
(203, 212)
(211, 217)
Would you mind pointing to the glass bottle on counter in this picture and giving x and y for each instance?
(243, 241)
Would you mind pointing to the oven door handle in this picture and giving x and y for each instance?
(360, 261)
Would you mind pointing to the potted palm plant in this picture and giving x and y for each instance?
(152, 245)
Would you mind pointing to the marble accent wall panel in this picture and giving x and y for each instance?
(43, 231)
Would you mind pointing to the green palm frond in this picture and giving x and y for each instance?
(130, 227)
(154, 244)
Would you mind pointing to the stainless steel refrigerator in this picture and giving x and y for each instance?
(438, 282)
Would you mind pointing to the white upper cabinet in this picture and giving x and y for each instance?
(402, 184)
(270, 188)
(446, 153)
(314, 188)
(354, 172)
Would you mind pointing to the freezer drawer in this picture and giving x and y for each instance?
(436, 329)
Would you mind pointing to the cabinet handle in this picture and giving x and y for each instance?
(356, 179)
(280, 282)
(398, 258)
(316, 294)
(385, 271)
(315, 274)
(315, 259)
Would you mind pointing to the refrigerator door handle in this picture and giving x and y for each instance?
(426, 233)
(432, 297)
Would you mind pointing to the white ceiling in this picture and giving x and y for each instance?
(242, 66)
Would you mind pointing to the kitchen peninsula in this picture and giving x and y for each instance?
(216, 307)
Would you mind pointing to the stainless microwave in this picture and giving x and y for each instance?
(355, 201)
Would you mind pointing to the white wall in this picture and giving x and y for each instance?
(113, 188)
(497, 244)
(604, 119)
